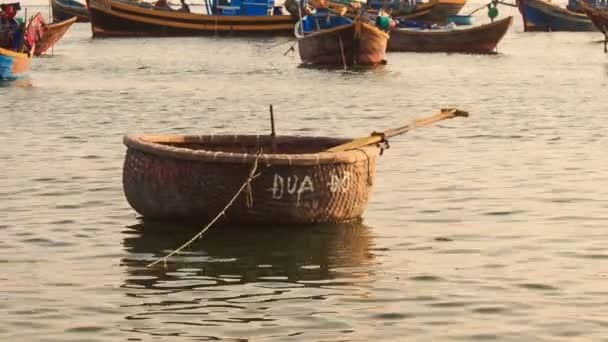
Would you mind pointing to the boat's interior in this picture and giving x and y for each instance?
(323, 19)
(249, 144)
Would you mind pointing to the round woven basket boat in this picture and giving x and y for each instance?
(194, 178)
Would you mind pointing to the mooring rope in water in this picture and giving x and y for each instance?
(246, 185)
(605, 38)
(279, 44)
(342, 53)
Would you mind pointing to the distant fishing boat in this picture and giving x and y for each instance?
(479, 39)
(325, 38)
(53, 32)
(115, 18)
(543, 15)
(431, 11)
(66, 9)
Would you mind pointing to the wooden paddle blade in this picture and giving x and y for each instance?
(446, 113)
(457, 112)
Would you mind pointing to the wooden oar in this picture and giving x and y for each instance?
(379, 137)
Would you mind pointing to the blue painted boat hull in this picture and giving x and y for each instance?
(539, 15)
(13, 66)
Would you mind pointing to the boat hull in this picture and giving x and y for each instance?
(480, 39)
(13, 65)
(355, 44)
(169, 178)
(599, 17)
(64, 10)
(540, 15)
(119, 19)
(52, 34)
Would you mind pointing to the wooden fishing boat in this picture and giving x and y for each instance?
(115, 18)
(13, 65)
(345, 42)
(189, 177)
(543, 15)
(52, 34)
(66, 9)
(431, 12)
(479, 39)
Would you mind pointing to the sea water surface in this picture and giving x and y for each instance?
(493, 227)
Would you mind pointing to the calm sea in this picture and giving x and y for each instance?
(487, 228)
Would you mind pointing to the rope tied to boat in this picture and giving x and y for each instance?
(383, 143)
(493, 3)
(605, 38)
(370, 179)
(249, 195)
(246, 185)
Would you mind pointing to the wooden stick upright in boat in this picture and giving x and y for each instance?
(379, 137)
(273, 133)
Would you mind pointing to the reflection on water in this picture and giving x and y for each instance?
(25, 82)
(229, 254)
(264, 276)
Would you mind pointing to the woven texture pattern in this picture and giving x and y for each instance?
(177, 186)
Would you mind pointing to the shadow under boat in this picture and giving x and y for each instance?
(350, 68)
(327, 254)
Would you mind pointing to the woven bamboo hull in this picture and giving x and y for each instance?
(181, 183)
(120, 19)
(355, 44)
(541, 15)
(53, 33)
(13, 65)
(599, 17)
(63, 10)
(480, 39)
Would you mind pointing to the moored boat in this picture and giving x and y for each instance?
(53, 32)
(193, 177)
(16, 42)
(543, 15)
(328, 39)
(431, 11)
(598, 16)
(13, 65)
(253, 179)
(116, 18)
(479, 39)
(66, 9)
